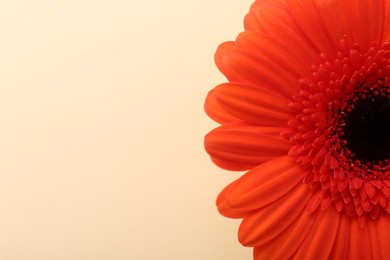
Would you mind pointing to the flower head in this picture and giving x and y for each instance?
(306, 111)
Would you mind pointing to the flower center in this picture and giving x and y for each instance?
(367, 126)
(341, 131)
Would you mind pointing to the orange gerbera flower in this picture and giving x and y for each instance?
(307, 112)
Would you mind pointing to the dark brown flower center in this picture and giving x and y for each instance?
(367, 126)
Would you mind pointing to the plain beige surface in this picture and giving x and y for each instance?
(101, 122)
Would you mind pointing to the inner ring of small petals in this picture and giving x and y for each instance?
(341, 131)
(361, 131)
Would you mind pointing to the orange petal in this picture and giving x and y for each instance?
(215, 112)
(242, 66)
(261, 186)
(295, 58)
(272, 18)
(386, 23)
(319, 241)
(307, 17)
(221, 51)
(223, 203)
(286, 244)
(253, 104)
(244, 146)
(380, 237)
(335, 20)
(343, 19)
(339, 250)
(271, 220)
(365, 20)
(260, 12)
(360, 242)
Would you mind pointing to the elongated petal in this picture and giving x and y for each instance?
(306, 15)
(286, 244)
(244, 146)
(223, 49)
(360, 242)
(295, 58)
(341, 243)
(273, 19)
(386, 23)
(333, 16)
(260, 186)
(253, 104)
(224, 206)
(343, 19)
(319, 241)
(271, 220)
(242, 66)
(215, 112)
(379, 236)
(268, 48)
(256, 19)
(367, 30)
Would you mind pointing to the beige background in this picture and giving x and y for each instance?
(101, 122)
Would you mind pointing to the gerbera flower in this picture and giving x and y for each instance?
(306, 111)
